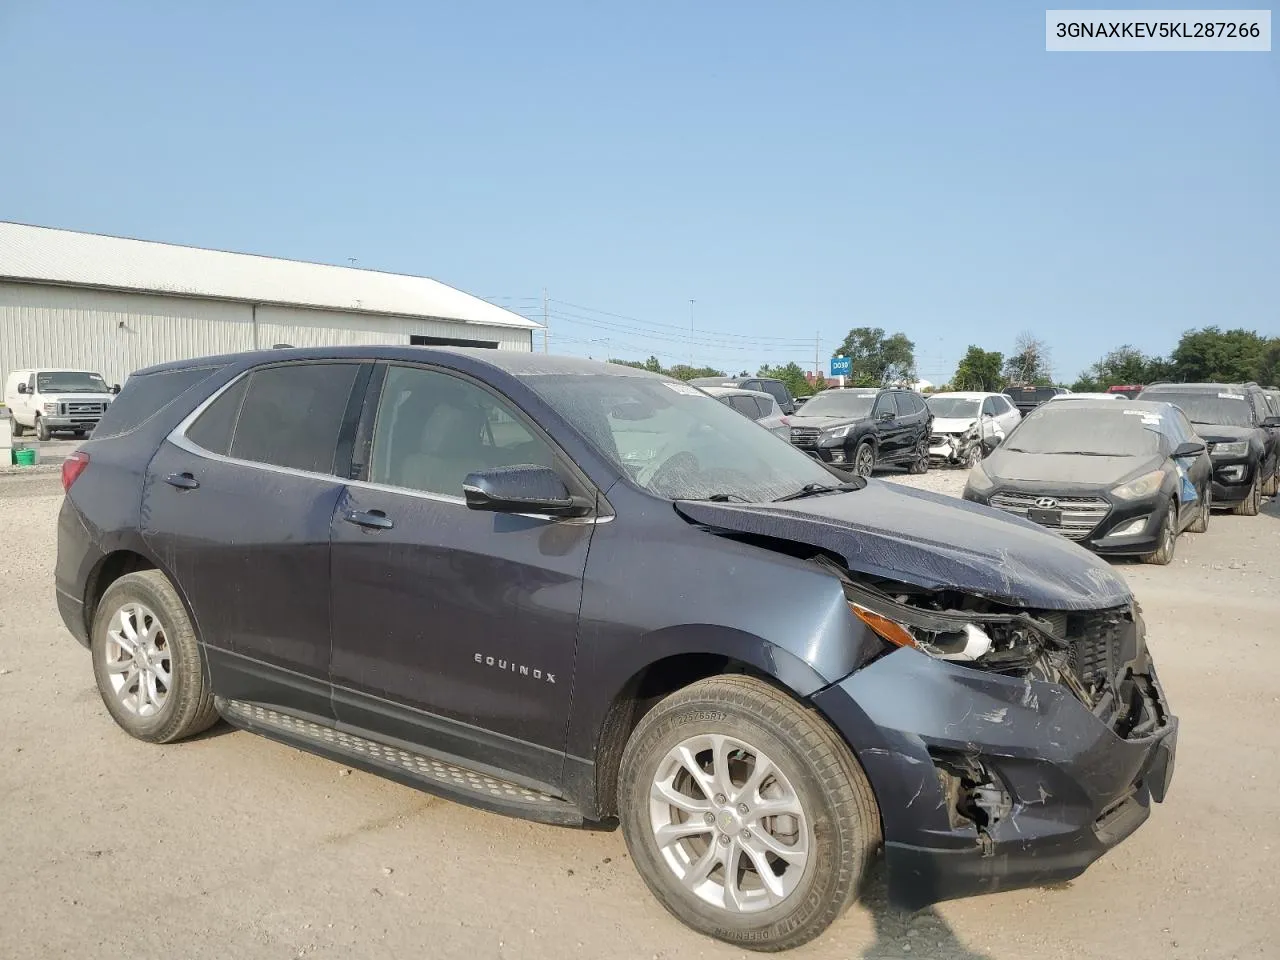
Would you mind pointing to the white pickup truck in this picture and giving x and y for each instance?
(51, 400)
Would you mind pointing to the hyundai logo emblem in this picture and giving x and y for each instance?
(1046, 503)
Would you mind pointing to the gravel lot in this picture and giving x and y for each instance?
(233, 846)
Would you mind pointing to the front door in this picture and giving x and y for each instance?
(238, 502)
(890, 428)
(454, 629)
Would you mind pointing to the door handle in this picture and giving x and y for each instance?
(371, 519)
(183, 481)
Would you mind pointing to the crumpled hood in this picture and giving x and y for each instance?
(932, 541)
(1221, 433)
(952, 424)
(1065, 469)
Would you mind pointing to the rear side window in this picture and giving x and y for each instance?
(287, 416)
(765, 407)
(776, 390)
(745, 406)
(145, 396)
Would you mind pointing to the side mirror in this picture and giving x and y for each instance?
(1269, 422)
(1191, 448)
(115, 388)
(520, 489)
(22, 388)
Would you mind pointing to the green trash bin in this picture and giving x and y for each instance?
(26, 457)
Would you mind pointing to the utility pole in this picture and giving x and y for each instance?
(691, 303)
(817, 355)
(546, 324)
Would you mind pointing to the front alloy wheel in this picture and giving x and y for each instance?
(1163, 554)
(745, 813)
(864, 459)
(728, 823)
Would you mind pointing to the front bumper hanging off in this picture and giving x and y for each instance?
(989, 782)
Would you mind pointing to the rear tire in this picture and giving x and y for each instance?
(1252, 502)
(42, 429)
(921, 462)
(829, 838)
(148, 665)
(1163, 554)
(15, 428)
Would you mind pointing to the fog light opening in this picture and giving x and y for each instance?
(1130, 528)
(837, 456)
(975, 797)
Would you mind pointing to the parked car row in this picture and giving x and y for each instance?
(590, 595)
(1126, 477)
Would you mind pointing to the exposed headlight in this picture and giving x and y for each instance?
(1236, 448)
(835, 433)
(50, 408)
(978, 481)
(1143, 486)
(965, 642)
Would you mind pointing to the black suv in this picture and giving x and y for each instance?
(775, 388)
(859, 429)
(586, 594)
(1235, 420)
(1029, 396)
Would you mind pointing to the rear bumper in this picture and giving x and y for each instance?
(1070, 789)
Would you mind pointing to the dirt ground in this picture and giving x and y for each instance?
(235, 847)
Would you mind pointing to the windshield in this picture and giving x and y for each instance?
(1096, 431)
(1227, 409)
(70, 382)
(840, 403)
(676, 441)
(954, 408)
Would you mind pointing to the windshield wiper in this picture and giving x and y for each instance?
(817, 489)
(721, 498)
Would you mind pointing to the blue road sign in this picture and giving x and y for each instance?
(839, 366)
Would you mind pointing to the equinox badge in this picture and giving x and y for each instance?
(513, 667)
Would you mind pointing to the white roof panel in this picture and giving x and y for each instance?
(43, 254)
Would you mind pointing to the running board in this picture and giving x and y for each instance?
(413, 769)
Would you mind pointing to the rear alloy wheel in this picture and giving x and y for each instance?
(746, 815)
(1252, 502)
(920, 464)
(864, 459)
(147, 663)
(1163, 554)
(1201, 523)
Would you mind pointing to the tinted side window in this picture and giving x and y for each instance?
(766, 407)
(989, 407)
(291, 415)
(914, 404)
(212, 429)
(776, 390)
(745, 406)
(143, 397)
(31, 384)
(884, 404)
(750, 385)
(433, 429)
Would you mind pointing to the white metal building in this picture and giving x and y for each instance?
(114, 305)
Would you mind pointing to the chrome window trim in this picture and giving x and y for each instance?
(178, 437)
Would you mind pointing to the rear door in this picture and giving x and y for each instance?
(239, 501)
(454, 629)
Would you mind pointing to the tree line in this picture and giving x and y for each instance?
(1208, 354)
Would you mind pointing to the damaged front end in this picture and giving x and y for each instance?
(1008, 747)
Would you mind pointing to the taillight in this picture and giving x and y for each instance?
(72, 467)
(785, 422)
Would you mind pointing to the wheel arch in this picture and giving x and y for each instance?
(125, 558)
(675, 663)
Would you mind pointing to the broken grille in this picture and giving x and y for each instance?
(1079, 516)
(804, 436)
(1097, 646)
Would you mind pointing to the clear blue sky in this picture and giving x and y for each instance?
(798, 169)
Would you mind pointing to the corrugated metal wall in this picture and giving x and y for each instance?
(117, 333)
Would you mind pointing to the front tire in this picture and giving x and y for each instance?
(147, 662)
(42, 429)
(1201, 523)
(1163, 554)
(1252, 502)
(864, 459)
(746, 815)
